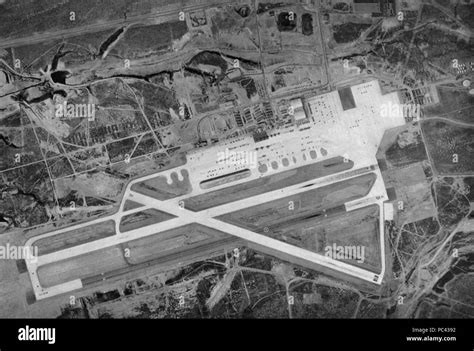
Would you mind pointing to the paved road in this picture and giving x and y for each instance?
(449, 121)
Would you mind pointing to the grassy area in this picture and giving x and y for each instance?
(74, 237)
(451, 147)
(268, 183)
(160, 189)
(455, 104)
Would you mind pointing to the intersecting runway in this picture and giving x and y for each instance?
(206, 218)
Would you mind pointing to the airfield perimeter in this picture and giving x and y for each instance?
(344, 145)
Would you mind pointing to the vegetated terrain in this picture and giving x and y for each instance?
(149, 40)
(191, 240)
(74, 237)
(312, 203)
(143, 218)
(451, 199)
(27, 193)
(26, 18)
(451, 296)
(268, 183)
(160, 188)
(400, 155)
(347, 32)
(455, 104)
(450, 146)
(247, 285)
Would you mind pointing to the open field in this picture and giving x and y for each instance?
(130, 205)
(148, 248)
(27, 18)
(119, 258)
(267, 184)
(278, 213)
(454, 104)
(162, 188)
(312, 301)
(355, 228)
(13, 139)
(451, 147)
(322, 233)
(36, 56)
(95, 262)
(149, 40)
(402, 156)
(319, 220)
(169, 261)
(323, 271)
(401, 147)
(413, 194)
(143, 218)
(75, 237)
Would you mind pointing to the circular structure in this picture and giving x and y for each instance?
(313, 154)
(262, 168)
(275, 165)
(466, 83)
(285, 162)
